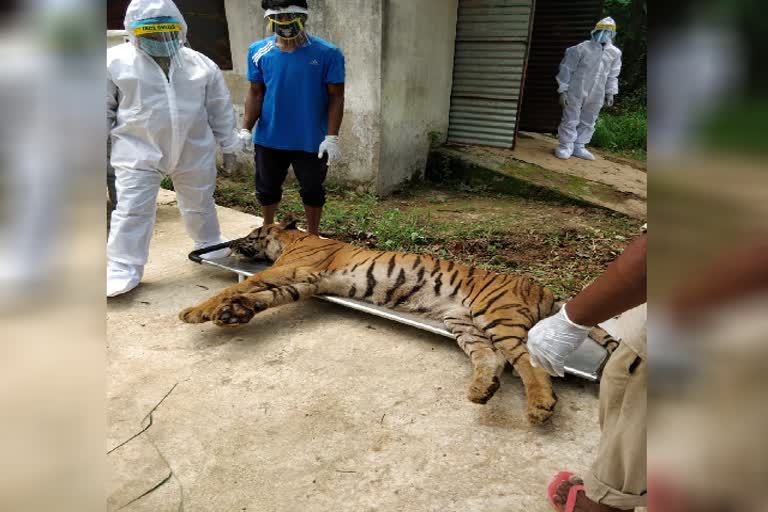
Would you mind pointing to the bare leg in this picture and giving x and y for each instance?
(583, 504)
(313, 219)
(268, 212)
(487, 365)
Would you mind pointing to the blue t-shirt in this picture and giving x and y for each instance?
(294, 114)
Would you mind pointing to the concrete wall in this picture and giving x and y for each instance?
(116, 37)
(356, 27)
(399, 63)
(361, 43)
(417, 67)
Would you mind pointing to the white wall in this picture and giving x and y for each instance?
(116, 37)
(417, 63)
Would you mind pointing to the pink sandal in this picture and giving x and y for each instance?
(554, 484)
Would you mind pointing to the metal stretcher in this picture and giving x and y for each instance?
(587, 362)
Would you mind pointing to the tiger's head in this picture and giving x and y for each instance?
(265, 242)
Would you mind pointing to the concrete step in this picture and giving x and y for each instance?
(578, 182)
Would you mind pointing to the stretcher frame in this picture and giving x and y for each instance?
(587, 362)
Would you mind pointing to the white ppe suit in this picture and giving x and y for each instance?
(162, 125)
(588, 72)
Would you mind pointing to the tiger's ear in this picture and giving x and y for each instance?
(289, 222)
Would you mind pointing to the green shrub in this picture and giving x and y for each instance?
(618, 132)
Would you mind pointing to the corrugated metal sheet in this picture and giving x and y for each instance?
(557, 24)
(491, 47)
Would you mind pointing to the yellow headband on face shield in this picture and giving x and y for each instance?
(156, 28)
(273, 22)
(605, 26)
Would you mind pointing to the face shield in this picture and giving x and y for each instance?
(605, 31)
(160, 38)
(603, 36)
(289, 24)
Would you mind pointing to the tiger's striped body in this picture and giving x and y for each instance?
(488, 313)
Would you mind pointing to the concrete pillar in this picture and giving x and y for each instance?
(417, 72)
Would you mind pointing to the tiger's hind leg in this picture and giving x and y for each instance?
(487, 365)
(508, 333)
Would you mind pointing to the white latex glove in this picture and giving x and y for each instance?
(330, 146)
(552, 340)
(246, 137)
(230, 162)
(609, 100)
(563, 99)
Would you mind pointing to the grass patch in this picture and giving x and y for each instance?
(354, 217)
(622, 132)
(562, 246)
(633, 154)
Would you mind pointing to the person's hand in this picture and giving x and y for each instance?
(563, 99)
(552, 340)
(230, 162)
(609, 100)
(246, 137)
(330, 146)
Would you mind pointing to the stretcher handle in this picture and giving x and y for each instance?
(196, 255)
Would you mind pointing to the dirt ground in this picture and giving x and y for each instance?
(312, 407)
(561, 246)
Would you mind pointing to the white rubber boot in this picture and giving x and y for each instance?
(564, 151)
(579, 151)
(122, 278)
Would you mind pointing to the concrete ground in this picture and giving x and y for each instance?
(312, 407)
(622, 174)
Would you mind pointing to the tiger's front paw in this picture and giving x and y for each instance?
(236, 312)
(194, 315)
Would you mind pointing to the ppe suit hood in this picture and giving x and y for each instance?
(143, 9)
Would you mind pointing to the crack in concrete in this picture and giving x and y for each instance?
(155, 487)
(149, 415)
(171, 474)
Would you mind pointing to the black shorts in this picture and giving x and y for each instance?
(272, 169)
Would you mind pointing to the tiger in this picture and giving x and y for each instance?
(488, 313)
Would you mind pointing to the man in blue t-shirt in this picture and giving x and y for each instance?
(297, 97)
